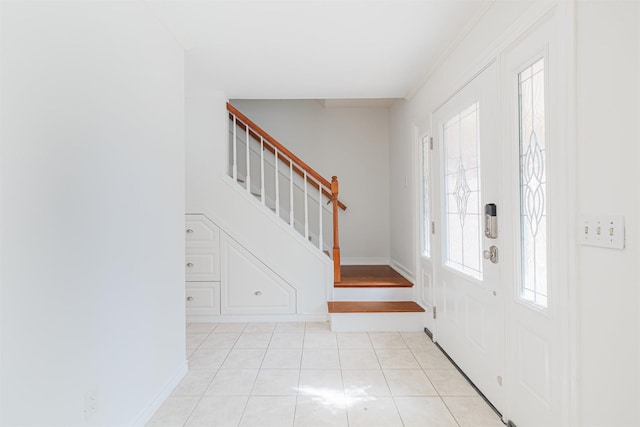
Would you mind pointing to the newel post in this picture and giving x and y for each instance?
(336, 240)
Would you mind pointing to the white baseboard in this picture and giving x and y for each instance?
(321, 317)
(365, 261)
(404, 271)
(150, 408)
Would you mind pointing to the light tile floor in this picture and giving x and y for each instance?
(302, 374)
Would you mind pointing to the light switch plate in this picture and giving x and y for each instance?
(606, 231)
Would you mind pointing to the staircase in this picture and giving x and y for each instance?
(374, 298)
(364, 298)
(286, 185)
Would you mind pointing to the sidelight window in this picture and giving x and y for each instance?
(533, 184)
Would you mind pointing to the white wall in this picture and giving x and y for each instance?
(92, 212)
(351, 143)
(608, 109)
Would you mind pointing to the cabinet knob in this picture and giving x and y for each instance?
(257, 293)
(189, 298)
(189, 264)
(189, 230)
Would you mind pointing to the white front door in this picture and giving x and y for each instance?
(468, 287)
(534, 261)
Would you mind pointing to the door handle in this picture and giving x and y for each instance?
(491, 254)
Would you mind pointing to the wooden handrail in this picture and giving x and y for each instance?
(296, 169)
(279, 146)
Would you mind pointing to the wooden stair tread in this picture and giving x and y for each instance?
(371, 276)
(373, 307)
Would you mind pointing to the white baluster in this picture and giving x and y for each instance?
(235, 151)
(291, 193)
(262, 170)
(306, 208)
(319, 216)
(248, 176)
(277, 181)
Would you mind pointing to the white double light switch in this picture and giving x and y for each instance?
(606, 231)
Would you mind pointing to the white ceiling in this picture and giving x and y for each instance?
(307, 49)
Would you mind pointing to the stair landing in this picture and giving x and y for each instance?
(371, 276)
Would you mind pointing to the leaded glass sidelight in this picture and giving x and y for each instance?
(426, 198)
(461, 140)
(533, 209)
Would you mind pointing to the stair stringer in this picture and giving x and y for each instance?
(275, 245)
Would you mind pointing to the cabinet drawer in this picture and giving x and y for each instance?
(202, 264)
(261, 298)
(199, 231)
(202, 298)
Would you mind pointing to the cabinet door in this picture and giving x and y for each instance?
(202, 298)
(199, 231)
(249, 287)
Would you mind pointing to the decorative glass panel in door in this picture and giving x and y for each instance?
(533, 210)
(426, 198)
(462, 189)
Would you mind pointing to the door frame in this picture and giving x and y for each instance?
(421, 129)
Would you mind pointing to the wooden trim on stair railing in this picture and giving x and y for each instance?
(299, 166)
(296, 169)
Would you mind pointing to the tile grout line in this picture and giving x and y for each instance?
(255, 380)
(438, 394)
(450, 412)
(220, 368)
(455, 419)
(244, 408)
(295, 407)
(210, 381)
(393, 397)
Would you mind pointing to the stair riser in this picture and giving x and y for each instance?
(373, 294)
(372, 322)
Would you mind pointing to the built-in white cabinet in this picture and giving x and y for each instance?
(223, 278)
(248, 286)
(202, 266)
